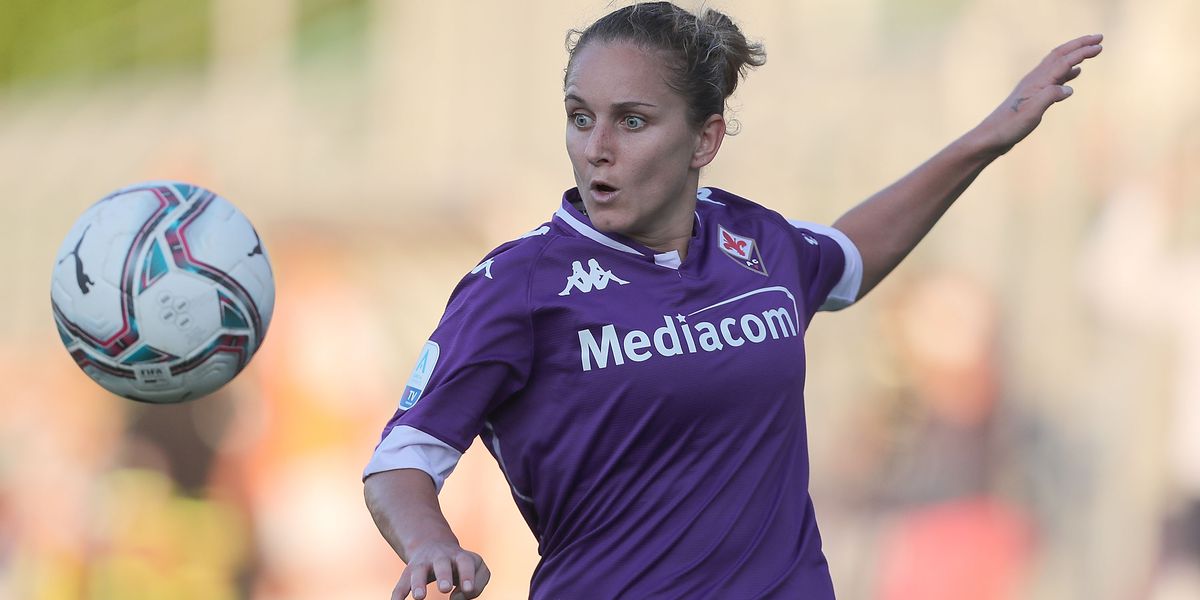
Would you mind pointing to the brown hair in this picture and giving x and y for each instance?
(707, 54)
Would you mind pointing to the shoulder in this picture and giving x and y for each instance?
(738, 208)
(735, 209)
(826, 255)
(506, 271)
(520, 251)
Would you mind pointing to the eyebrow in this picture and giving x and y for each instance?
(628, 104)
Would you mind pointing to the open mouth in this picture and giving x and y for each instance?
(603, 188)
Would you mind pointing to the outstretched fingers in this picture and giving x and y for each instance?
(1077, 43)
(1072, 74)
(1081, 54)
(1062, 63)
(1050, 95)
(1043, 86)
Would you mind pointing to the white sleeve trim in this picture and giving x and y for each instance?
(846, 291)
(410, 448)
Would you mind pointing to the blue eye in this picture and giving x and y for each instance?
(634, 122)
(581, 120)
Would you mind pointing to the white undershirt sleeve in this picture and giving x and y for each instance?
(407, 447)
(845, 292)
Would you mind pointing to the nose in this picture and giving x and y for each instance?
(599, 148)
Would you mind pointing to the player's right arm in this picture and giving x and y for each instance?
(404, 504)
(479, 355)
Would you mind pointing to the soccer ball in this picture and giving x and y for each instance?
(162, 292)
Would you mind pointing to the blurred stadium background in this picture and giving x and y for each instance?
(1014, 414)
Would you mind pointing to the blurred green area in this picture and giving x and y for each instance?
(87, 41)
(331, 32)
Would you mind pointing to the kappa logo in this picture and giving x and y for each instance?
(485, 266)
(705, 195)
(585, 281)
(543, 230)
(743, 250)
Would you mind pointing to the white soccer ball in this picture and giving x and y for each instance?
(162, 292)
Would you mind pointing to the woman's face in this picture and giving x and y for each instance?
(635, 156)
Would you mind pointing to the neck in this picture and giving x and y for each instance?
(677, 233)
(670, 229)
(676, 243)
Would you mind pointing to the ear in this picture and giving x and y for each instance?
(708, 141)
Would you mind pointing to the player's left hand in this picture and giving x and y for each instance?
(1045, 85)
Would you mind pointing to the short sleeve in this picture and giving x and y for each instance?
(832, 266)
(479, 355)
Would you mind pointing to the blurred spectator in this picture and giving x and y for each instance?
(1143, 271)
(955, 497)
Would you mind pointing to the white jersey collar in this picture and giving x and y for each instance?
(573, 218)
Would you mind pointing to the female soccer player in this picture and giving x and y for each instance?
(636, 364)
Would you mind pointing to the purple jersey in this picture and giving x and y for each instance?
(648, 413)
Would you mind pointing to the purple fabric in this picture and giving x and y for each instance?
(653, 431)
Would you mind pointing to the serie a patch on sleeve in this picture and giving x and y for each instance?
(419, 379)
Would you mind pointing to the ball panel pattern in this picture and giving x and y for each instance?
(162, 292)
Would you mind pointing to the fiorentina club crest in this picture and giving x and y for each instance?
(741, 249)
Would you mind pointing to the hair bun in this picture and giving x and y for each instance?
(730, 44)
(707, 54)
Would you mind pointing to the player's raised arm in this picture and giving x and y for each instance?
(889, 224)
(404, 504)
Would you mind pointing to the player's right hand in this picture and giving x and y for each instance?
(460, 572)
